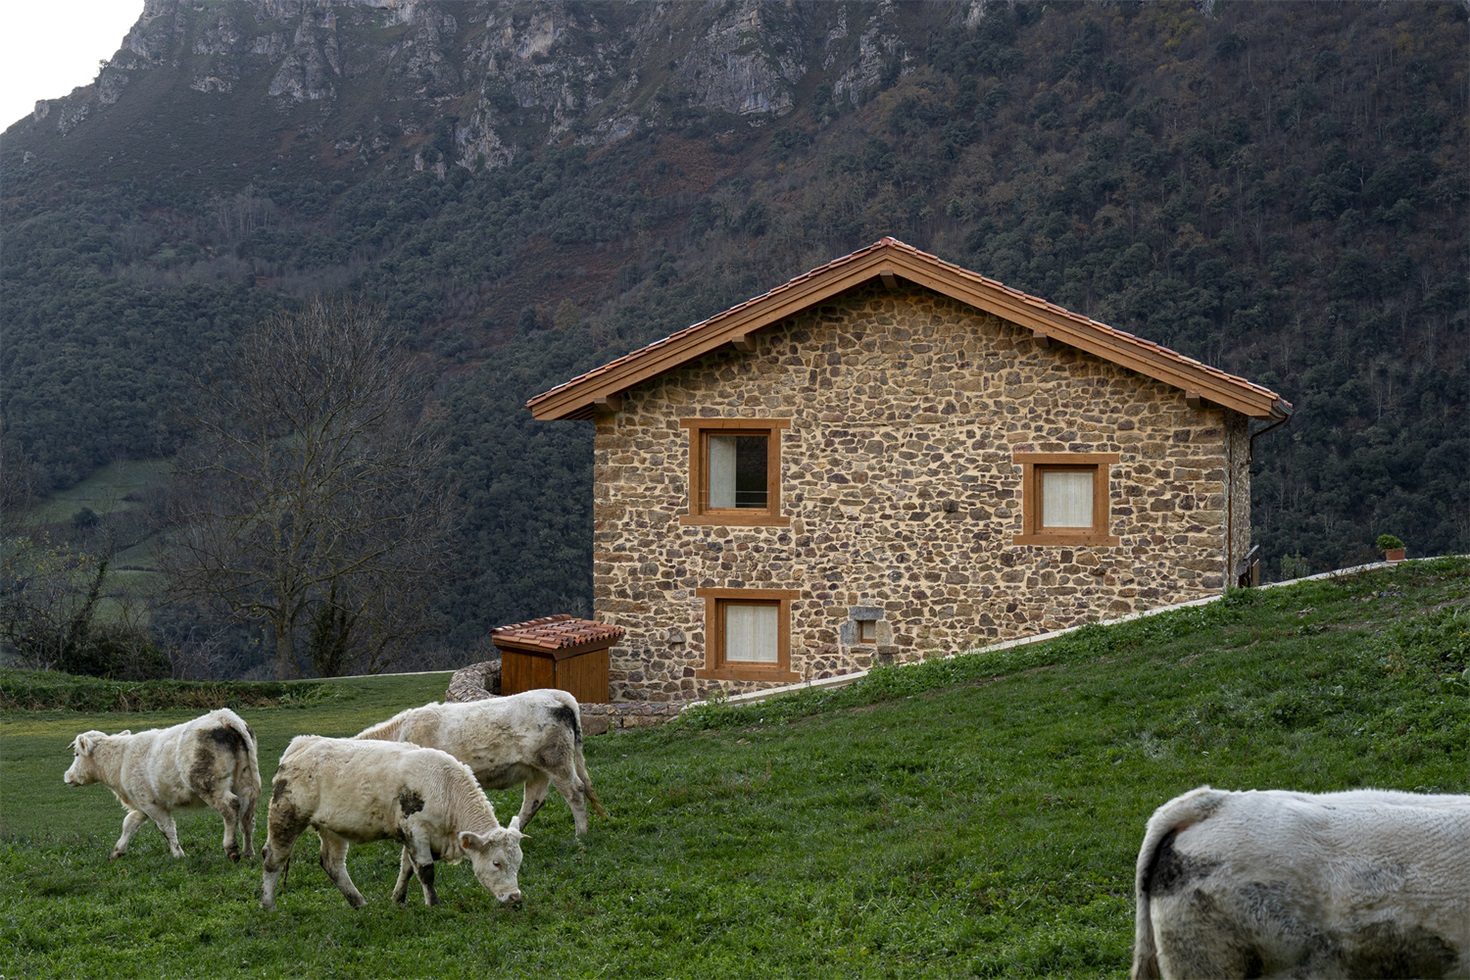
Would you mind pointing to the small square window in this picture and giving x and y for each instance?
(747, 634)
(735, 471)
(1064, 498)
(867, 631)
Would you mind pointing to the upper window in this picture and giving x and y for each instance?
(1064, 498)
(747, 634)
(735, 471)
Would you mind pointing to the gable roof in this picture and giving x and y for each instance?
(889, 259)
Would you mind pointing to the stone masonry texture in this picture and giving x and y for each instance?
(906, 411)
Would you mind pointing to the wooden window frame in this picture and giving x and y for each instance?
(699, 432)
(1034, 467)
(716, 667)
(867, 631)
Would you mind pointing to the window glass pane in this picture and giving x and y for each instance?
(1066, 498)
(750, 471)
(750, 633)
(737, 471)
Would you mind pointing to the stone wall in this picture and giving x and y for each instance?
(899, 477)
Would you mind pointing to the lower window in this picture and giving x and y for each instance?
(1065, 498)
(747, 634)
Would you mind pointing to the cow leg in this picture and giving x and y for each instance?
(537, 785)
(571, 790)
(418, 859)
(131, 823)
(247, 827)
(405, 871)
(165, 821)
(227, 805)
(334, 863)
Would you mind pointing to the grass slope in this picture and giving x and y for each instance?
(975, 816)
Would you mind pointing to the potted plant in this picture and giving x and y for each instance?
(1392, 547)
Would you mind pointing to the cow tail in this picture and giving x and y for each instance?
(1145, 955)
(247, 769)
(1167, 820)
(580, 761)
(587, 784)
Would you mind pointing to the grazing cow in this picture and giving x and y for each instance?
(532, 738)
(209, 761)
(352, 792)
(1271, 883)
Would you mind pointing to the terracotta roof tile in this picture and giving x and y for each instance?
(559, 632)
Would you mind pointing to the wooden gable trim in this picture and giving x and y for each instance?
(888, 261)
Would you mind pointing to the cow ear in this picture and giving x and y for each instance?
(82, 745)
(126, 731)
(470, 841)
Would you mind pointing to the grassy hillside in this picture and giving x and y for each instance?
(975, 816)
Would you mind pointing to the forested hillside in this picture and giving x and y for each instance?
(1277, 189)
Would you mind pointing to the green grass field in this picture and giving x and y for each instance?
(104, 492)
(969, 817)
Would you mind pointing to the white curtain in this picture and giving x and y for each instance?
(721, 471)
(1066, 498)
(750, 633)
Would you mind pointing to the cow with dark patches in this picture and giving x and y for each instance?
(1368, 883)
(533, 738)
(352, 792)
(210, 761)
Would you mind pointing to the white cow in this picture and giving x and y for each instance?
(352, 792)
(1270, 883)
(210, 761)
(533, 738)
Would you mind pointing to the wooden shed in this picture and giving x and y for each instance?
(558, 652)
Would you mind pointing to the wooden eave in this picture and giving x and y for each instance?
(885, 260)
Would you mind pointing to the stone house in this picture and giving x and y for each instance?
(891, 458)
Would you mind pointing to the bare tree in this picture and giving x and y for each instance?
(48, 601)
(314, 499)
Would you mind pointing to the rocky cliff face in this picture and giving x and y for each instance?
(473, 84)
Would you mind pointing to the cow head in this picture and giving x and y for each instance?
(496, 859)
(84, 768)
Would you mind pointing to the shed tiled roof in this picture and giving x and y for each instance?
(560, 632)
(891, 259)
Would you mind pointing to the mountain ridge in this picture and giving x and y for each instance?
(532, 189)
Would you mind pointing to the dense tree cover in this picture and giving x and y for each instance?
(1279, 190)
(313, 499)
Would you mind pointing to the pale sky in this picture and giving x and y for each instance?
(49, 47)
